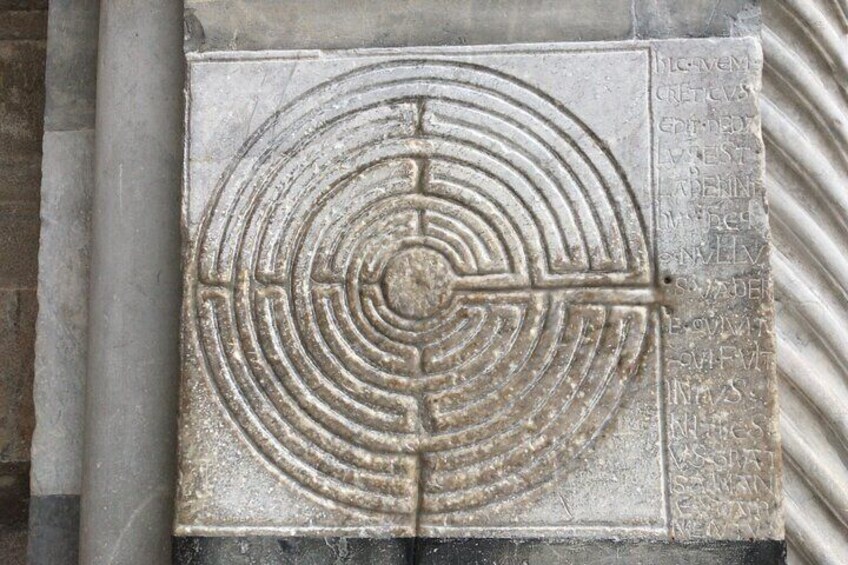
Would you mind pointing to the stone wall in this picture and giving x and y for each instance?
(804, 109)
(22, 53)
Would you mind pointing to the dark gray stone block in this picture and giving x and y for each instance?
(19, 24)
(71, 67)
(292, 551)
(407, 551)
(14, 494)
(604, 552)
(13, 545)
(23, 4)
(19, 226)
(54, 530)
(17, 324)
(21, 100)
(20, 179)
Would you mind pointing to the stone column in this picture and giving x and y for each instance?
(131, 395)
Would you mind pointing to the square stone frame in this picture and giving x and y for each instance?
(192, 442)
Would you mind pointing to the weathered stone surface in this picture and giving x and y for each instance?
(330, 24)
(17, 334)
(23, 4)
(22, 31)
(478, 292)
(22, 24)
(222, 25)
(18, 244)
(14, 494)
(695, 18)
(13, 543)
(409, 551)
(20, 179)
(63, 311)
(53, 530)
(21, 100)
(71, 65)
(62, 328)
(21, 110)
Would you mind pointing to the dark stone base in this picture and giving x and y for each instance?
(13, 541)
(14, 498)
(424, 551)
(14, 494)
(54, 530)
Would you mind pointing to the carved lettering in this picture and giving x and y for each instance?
(728, 124)
(702, 64)
(717, 315)
(718, 250)
(688, 93)
(699, 185)
(726, 153)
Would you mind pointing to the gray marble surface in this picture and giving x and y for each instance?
(220, 25)
(499, 291)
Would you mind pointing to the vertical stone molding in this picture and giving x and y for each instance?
(130, 420)
(60, 352)
(805, 130)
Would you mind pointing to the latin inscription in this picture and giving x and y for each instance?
(704, 64)
(443, 293)
(717, 317)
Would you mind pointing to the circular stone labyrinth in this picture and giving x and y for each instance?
(420, 288)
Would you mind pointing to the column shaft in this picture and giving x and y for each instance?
(133, 363)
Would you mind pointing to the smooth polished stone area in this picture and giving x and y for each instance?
(501, 291)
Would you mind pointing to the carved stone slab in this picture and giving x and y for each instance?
(493, 291)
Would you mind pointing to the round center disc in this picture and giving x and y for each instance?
(417, 282)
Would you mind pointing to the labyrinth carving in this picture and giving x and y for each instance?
(420, 288)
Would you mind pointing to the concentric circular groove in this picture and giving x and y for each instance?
(383, 300)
